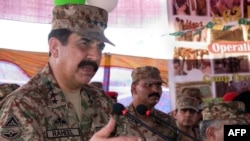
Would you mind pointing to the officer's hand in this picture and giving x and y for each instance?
(103, 134)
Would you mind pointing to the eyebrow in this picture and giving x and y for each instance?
(84, 39)
(100, 44)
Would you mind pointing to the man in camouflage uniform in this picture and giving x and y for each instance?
(216, 115)
(196, 93)
(185, 114)
(7, 88)
(146, 89)
(58, 103)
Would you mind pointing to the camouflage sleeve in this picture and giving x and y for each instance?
(18, 120)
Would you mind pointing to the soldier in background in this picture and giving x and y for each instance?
(245, 98)
(195, 93)
(185, 114)
(216, 115)
(146, 89)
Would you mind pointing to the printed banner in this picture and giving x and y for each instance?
(211, 46)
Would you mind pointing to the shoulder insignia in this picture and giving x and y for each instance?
(10, 134)
(12, 122)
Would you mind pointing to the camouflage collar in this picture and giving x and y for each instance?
(47, 83)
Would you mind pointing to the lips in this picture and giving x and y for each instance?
(87, 70)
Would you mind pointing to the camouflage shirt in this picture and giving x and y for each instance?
(7, 88)
(196, 133)
(131, 127)
(38, 111)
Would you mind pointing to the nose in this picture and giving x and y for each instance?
(156, 88)
(190, 112)
(94, 53)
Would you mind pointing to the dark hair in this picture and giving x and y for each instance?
(245, 98)
(61, 34)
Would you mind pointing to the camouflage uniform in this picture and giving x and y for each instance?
(7, 88)
(188, 102)
(88, 21)
(229, 111)
(134, 128)
(192, 92)
(146, 72)
(38, 111)
(195, 93)
(138, 129)
(218, 114)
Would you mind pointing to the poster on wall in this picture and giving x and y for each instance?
(211, 46)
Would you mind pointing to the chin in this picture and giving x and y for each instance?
(153, 104)
(84, 81)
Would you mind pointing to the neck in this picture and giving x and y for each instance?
(135, 104)
(69, 90)
(64, 84)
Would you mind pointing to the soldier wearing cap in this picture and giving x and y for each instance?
(146, 89)
(58, 103)
(245, 98)
(185, 114)
(216, 115)
(192, 92)
(196, 93)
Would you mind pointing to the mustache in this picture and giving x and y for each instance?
(89, 63)
(154, 94)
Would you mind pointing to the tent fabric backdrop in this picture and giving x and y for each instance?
(32, 62)
(29, 62)
(128, 13)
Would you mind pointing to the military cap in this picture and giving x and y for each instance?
(146, 72)
(187, 102)
(227, 110)
(192, 91)
(229, 96)
(7, 88)
(88, 21)
(112, 94)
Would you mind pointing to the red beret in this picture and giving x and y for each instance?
(112, 94)
(229, 96)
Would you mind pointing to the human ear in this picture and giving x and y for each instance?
(133, 88)
(210, 133)
(53, 47)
